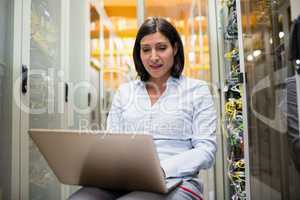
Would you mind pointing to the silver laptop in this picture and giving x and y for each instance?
(101, 159)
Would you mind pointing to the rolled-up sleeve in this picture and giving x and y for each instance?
(203, 139)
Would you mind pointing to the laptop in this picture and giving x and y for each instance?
(106, 160)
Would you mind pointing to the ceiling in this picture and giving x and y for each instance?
(170, 6)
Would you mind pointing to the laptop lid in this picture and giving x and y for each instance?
(102, 159)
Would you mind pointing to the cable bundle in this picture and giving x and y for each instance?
(234, 122)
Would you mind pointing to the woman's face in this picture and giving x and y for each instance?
(157, 55)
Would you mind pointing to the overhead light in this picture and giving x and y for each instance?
(281, 35)
(250, 58)
(298, 62)
(256, 53)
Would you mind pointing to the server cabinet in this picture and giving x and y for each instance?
(233, 100)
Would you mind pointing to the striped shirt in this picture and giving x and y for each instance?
(182, 122)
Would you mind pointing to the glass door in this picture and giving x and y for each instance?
(42, 48)
(112, 33)
(45, 66)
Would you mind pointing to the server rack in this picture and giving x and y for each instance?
(233, 100)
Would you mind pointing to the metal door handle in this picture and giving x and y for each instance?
(66, 92)
(89, 99)
(24, 78)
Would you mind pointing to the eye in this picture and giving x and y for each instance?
(162, 47)
(146, 49)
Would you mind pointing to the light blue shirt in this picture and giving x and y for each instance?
(182, 122)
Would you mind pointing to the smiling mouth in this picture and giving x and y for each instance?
(156, 66)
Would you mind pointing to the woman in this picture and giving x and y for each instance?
(178, 111)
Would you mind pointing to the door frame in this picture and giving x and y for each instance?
(216, 86)
(16, 10)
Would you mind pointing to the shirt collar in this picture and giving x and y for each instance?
(171, 80)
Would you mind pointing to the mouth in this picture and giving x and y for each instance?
(156, 66)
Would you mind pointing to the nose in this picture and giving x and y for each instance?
(154, 56)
